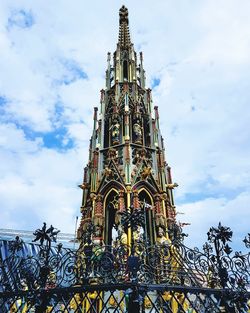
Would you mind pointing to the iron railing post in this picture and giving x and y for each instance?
(133, 304)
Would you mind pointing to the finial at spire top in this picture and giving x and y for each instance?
(124, 36)
(123, 14)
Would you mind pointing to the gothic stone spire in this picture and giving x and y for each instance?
(127, 170)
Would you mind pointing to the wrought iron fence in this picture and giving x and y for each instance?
(167, 277)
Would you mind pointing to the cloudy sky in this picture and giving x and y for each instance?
(53, 61)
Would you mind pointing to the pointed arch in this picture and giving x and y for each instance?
(125, 70)
(145, 196)
(107, 194)
(111, 185)
(143, 189)
(147, 186)
(110, 205)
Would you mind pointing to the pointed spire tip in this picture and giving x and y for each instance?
(123, 13)
(124, 36)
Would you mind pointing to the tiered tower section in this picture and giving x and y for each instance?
(127, 171)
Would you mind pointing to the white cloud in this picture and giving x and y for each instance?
(227, 30)
(37, 184)
(209, 212)
(13, 140)
(26, 204)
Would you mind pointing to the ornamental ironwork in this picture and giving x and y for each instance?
(165, 277)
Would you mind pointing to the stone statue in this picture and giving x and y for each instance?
(122, 236)
(115, 132)
(97, 240)
(137, 132)
(161, 237)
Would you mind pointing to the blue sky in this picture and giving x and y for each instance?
(53, 61)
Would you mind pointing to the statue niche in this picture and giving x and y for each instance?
(137, 132)
(149, 224)
(111, 217)
(115, 132)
